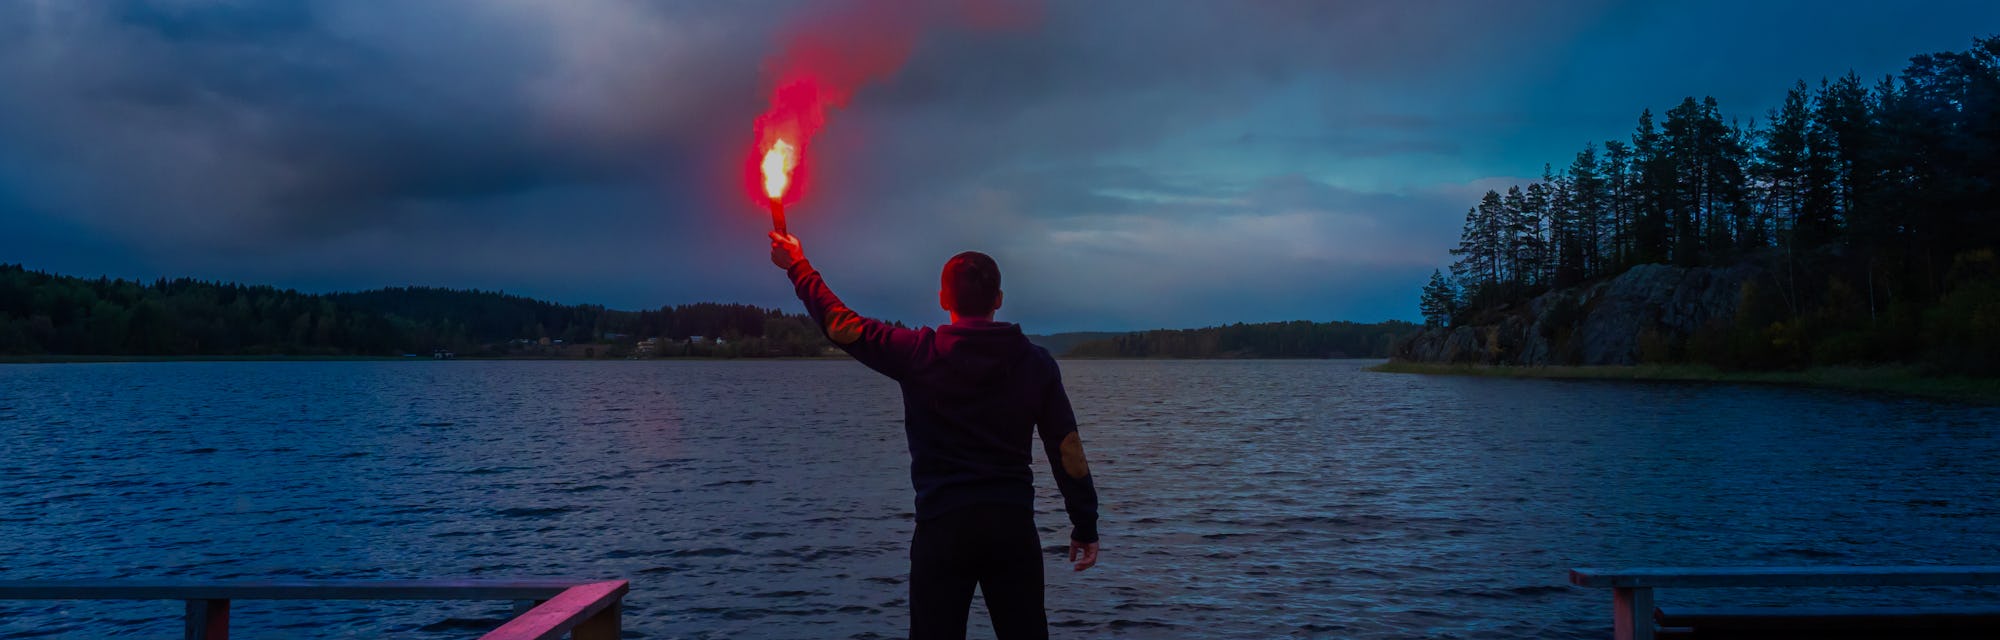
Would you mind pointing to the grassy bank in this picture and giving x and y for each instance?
(1896, 380)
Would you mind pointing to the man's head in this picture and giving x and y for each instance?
(971, 286)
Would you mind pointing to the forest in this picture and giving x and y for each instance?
(1298, 339)
(1873, 208)
(42, 313)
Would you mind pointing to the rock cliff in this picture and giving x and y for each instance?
(1641, 314)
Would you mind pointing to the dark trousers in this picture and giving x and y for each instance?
(994, 547)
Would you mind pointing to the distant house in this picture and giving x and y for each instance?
(648, 346)
(694, 339)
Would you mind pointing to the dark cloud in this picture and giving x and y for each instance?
(311, 118)
(1132, 164)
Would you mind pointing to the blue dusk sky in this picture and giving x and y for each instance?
(1158, 163)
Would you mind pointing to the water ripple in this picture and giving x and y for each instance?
(771, 499)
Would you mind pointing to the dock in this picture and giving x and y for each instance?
(1635, 615)
(543, 609)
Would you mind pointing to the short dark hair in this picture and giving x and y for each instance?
(972, 280)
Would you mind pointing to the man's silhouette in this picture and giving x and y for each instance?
(974, 391)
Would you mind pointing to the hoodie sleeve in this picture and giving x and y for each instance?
(886, 348)
(1065, 450)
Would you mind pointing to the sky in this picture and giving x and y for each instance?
(1129, 164)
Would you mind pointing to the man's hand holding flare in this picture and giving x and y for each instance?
(785, 250)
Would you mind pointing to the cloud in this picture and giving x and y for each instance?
(1133, 163)
(563, 147)
(276, 118)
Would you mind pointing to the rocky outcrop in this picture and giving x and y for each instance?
(1617, 321)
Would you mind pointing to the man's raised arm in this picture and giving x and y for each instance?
(886, 348)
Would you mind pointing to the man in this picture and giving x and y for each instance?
(973, 391)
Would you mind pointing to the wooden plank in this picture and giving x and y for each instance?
(1787, 577)
(564, 612)
(608, 624)
(1831, 618)
(207, 620)
(288, 590)
(1632, 613)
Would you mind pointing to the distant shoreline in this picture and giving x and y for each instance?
(82, 359)
(1903, 381)
(1211, 358)
(85, 359)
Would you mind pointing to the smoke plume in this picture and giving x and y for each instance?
(835, 50)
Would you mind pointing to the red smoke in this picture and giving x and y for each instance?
(839, 47)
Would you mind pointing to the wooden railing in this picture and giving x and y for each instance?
(1633, 610)
(544, 609)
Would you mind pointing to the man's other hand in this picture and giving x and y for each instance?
(785, 250)
(1082, 555)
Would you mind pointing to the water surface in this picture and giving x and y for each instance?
(1242, 499)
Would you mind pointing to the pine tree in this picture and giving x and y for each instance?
(1438, 301)
(1717, 176)
(1471, 267)
(1736, 193)
(1587, 203)
(1565, 230)
(1515, 236)
(1652, 190)
(1783, 161)
(1535, 210)
(1834, 134)
(1682, 156)
(1618, 203)
(1492, 242)
(1481, 265)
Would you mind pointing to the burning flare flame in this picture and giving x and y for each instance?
(778, 165)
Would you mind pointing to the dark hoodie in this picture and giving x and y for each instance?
(973, 395)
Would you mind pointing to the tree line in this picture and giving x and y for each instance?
(1875, 207)
(1298, 339)
(43, 313)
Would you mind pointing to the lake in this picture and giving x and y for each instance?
(771, 499)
